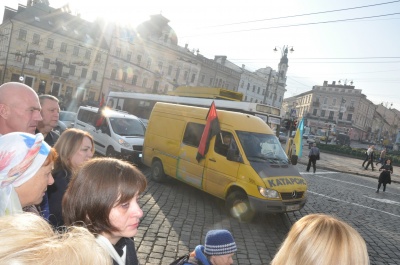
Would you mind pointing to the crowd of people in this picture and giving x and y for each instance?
(59, 205)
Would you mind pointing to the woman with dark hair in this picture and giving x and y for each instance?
(103, 197)
(384, 177)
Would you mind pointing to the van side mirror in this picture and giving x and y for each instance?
(294, 159)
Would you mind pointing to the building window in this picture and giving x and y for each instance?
(98, 57)
(113, 74)
(128, 56)
(185, 75)
(88, 54)
(325, 100)
(248, 86)
(193, 78)
(50, 43)
(258, 90)
(118, 52)
(63, 47)
(254, 88)
(330, 115)
(36, 39)
(202, 78)
(323, 113)
(94, 75)
(46, 63)
(334, 102)
(134, 80)
(263, 92)
(32, 59)
(139, 59)
(22, 34)
(76, 51)
(148, 63)
(144, 84)
(84, 73)
(160, 66)
(72, 69)
(349, 117)
(178, 72)
(170, 70)
(314, 112)
(124, 76)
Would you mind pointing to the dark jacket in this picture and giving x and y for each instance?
(131, 257)
(385, 177)
(55, 194)
(51, 137)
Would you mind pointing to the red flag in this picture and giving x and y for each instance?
(100, 111)
(212, 128)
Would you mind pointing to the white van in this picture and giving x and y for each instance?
(119, 134)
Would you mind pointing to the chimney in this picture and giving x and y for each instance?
(333, 83)
(325, 83)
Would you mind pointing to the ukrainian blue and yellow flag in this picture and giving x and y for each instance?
(298, 138)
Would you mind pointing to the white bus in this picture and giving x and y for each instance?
(141, 105)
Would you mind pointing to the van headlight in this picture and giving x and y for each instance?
(268, 193)
(124, 143)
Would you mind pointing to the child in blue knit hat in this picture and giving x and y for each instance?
(218, 249)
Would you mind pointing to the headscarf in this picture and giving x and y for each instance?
(21, 156)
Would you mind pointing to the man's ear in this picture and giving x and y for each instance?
(4, 111)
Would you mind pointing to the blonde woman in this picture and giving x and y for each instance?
(74, 147)
(28, 239)
(319, 239)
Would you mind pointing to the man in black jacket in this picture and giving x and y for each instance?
(313, 156)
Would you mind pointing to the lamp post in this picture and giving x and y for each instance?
(340, 109)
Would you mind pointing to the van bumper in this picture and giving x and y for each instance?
(135, 156)
(272, 206)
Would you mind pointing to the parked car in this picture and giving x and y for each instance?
(282, 137)
(343, 139)
(61, 127)
(68, 118)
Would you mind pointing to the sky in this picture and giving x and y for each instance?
(344, 40)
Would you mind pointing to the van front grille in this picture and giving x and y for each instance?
(137, 147)
(292, 195)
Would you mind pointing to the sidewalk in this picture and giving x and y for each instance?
(346, 165)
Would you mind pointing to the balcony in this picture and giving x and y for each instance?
(315, 104)
(351, 108)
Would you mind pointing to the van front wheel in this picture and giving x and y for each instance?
(157, 171)
(111, 152)
(238, 206)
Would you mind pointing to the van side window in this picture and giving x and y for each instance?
(193, 134)
(223, 141)
(87, 116)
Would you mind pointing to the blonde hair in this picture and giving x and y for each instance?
(319, 239)
(67, 145)
(28, 239)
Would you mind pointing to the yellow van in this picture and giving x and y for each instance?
(245, 164)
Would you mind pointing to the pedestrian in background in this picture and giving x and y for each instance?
(218, 249)
(28, 239)
(313, 156)
(367, 153)
(371, 157)
(104, 197)
(74, 147)
(382, 157)
(385, 176)
(319, 239)
(26, 161)
(50, 115)
(19, 108)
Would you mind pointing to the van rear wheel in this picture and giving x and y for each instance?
(238, 206)
(157, 171)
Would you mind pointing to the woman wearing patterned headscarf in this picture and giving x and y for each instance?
(26, 161)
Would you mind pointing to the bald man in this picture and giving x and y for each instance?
(19, 108)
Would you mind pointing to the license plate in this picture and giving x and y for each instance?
(293, 207)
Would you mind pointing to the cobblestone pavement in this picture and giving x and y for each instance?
(177, 216)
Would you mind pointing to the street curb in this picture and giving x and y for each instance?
(348, 172)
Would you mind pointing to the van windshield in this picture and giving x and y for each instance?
(127, 127)
(258, 146)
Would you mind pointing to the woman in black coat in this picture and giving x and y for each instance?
(384, 177)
